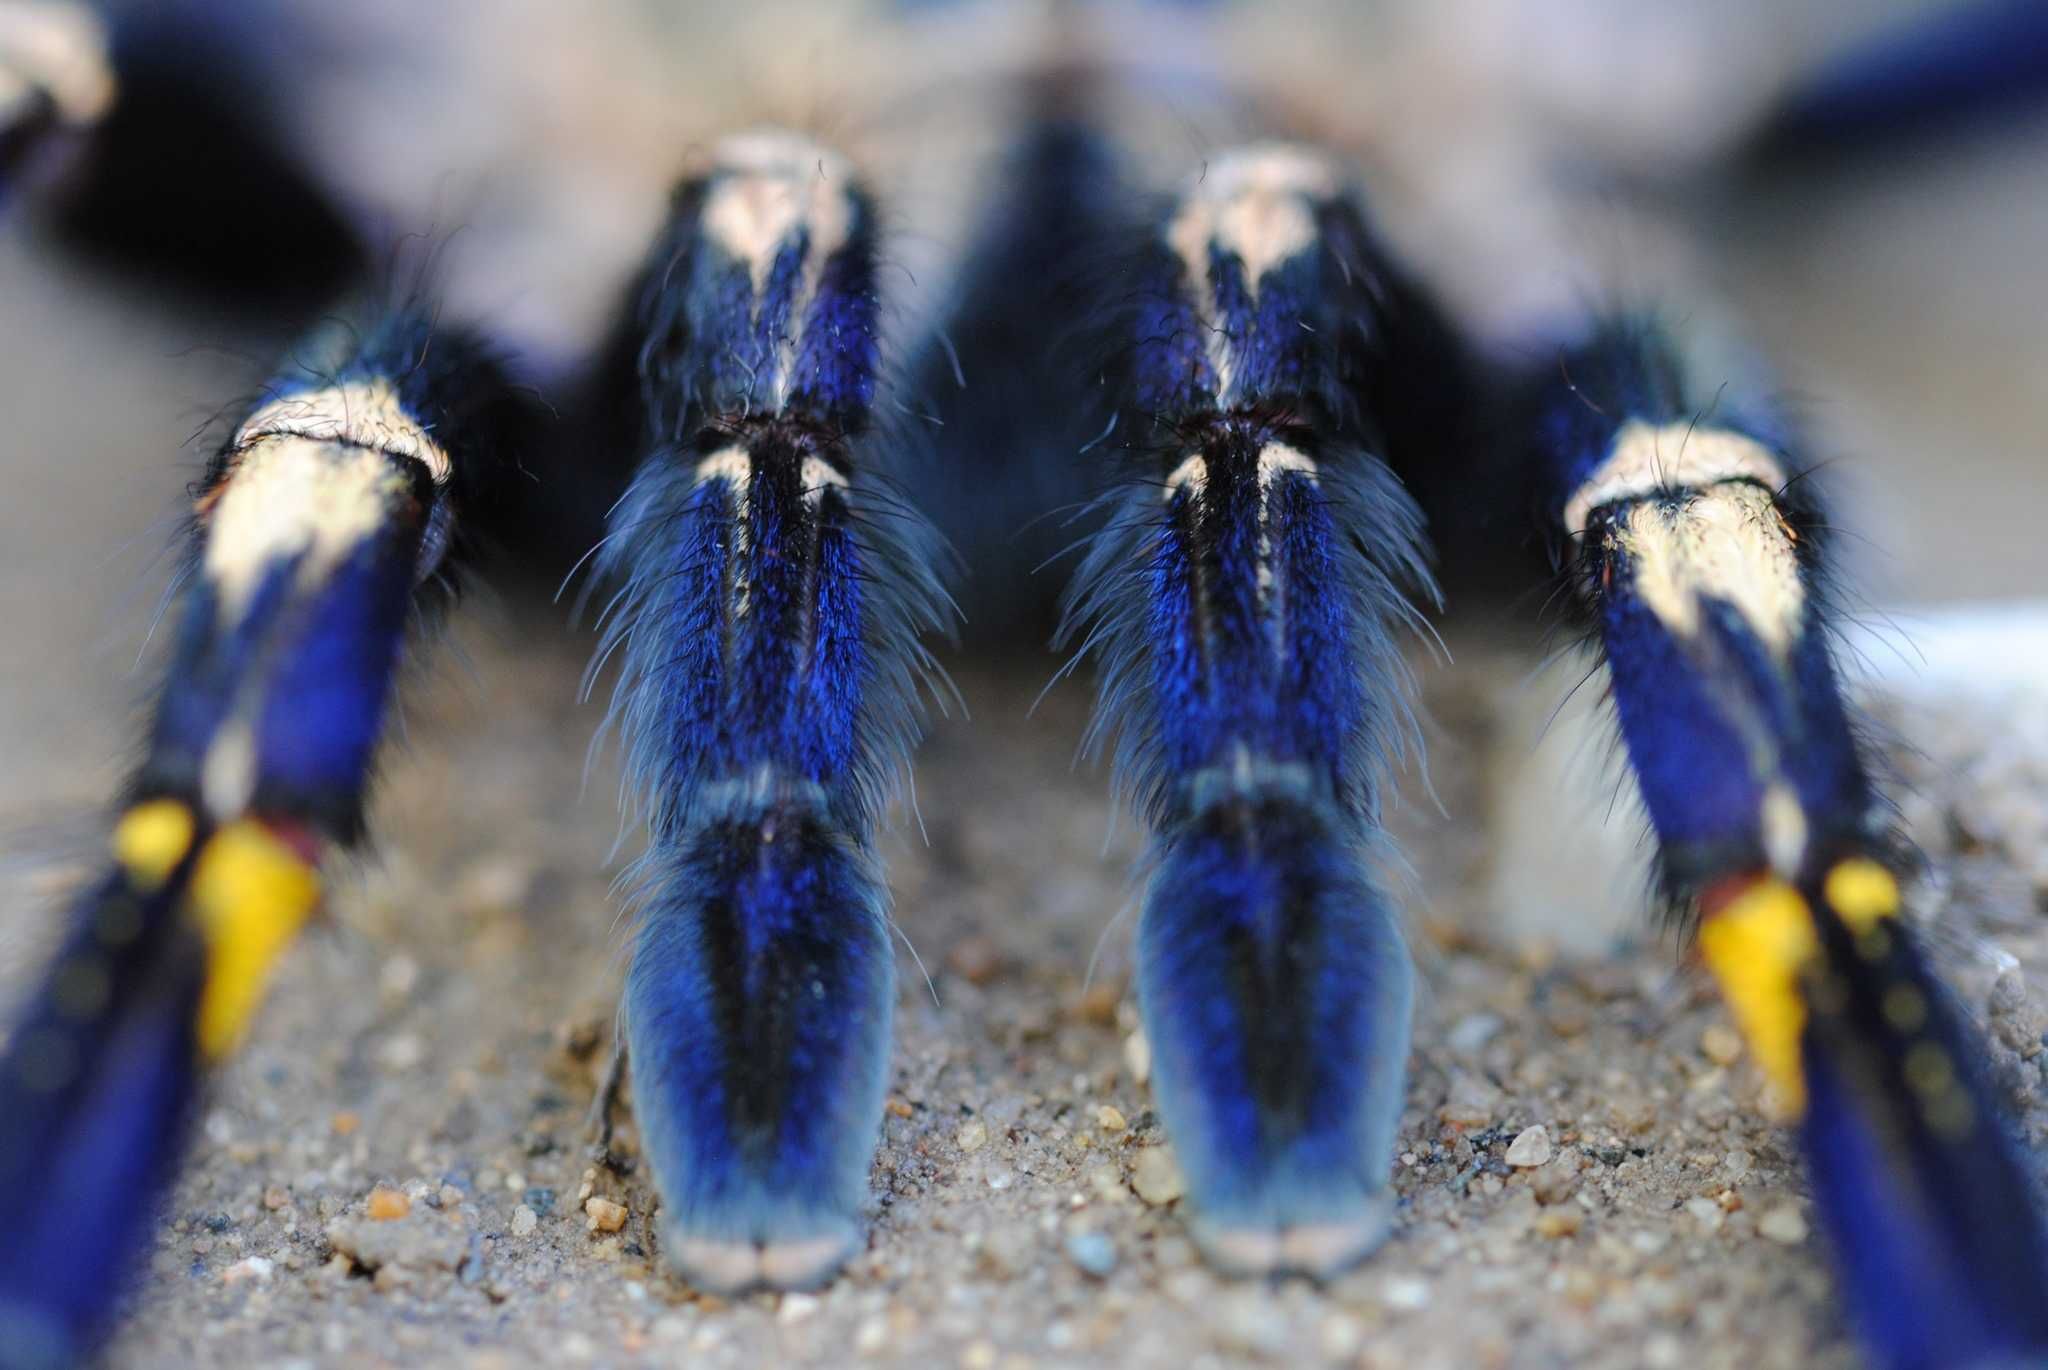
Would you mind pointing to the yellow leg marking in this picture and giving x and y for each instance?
(1861, 892)
(251, 894)
(1756, 948)
(151, 839)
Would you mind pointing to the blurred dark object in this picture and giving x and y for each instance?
(188, 182)
(1960, 67)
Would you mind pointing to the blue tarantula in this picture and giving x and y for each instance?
(1276, 420)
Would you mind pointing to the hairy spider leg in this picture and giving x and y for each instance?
(773, 596)
(1242, 599)
(318, 530)
(1695, 546)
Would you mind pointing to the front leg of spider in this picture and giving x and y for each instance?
(1695, 550)
(1242, 599)
(771, 604)
(320, 529)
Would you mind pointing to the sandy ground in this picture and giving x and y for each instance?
(441, 1039)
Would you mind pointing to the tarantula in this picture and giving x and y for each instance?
(1277, 419)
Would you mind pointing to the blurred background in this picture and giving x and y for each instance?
(1530, 158)
(1858, 187)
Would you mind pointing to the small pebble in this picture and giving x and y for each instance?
(972, 1136)
(1471, 1103)
(402, 1053)
(524, 1221)
(1098, 1005)
(797, 1307)
(345, 1123)
(1783, 1224)
(975, 960)
(387, 1204)
(1472, 1032)
(1110, 1119)
(1562, 1221)
(1529, 1149)
(899, 1106)
(1721, 1045)
(604, 1215)
(1405, 1292)
(253, 1268)
(1093, 1252)
(1706, 1213)
(1156, 1177)
(1340, 1338)
(1106, 1183)
(1138, 1058)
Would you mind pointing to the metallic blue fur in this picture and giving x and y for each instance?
(320, 660)
(1697, 714)
(321, 664)
(311, 667)
(711, 354)
(757, 1012)
(1940, 1248)
(768, 623)
(1243, 623)
(1938, 1237)
(1276, 991)
(94, 1082)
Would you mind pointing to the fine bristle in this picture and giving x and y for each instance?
(772, 593)
(1242, 599)
(1694, 554)
(319, 530)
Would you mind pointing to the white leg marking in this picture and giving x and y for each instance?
(1725, 542)
(1191, 475)
(765, 186)
(729, 464)
(1646, 458)
(227, 775)
(360, 413)
(1259, 204)
(818, 477)
(296, 497)
(1783, 824)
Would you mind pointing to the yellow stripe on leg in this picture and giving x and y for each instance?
(151, 839)
(1861, 892)
(250, 894)
(1757, 946)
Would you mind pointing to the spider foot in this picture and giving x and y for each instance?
(773, 594)
(1275, 990)
(1244, 595)
(757, 1009)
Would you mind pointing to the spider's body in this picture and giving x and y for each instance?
(1282, 419)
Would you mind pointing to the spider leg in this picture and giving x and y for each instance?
(774, 593)
(1696, 548)
(1244, 595)
(319, 530)
(55, 81)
